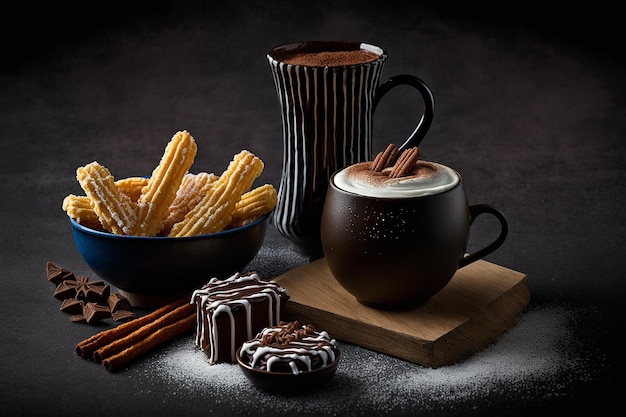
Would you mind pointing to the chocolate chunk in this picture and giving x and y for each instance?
(57, 274)
(66, 289)
(72, 306)
(77, 318)
(87, 301)
(95, 311)
(123, 315)
(117, 301)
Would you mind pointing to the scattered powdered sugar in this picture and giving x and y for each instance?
(538, 358)
(187, 369)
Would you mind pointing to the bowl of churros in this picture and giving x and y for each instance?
(169, 233)
(168, 265)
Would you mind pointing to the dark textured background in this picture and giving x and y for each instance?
(530, 108)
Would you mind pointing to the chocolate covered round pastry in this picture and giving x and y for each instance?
(289, 357)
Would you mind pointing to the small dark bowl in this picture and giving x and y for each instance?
(287, 383)
(165, 266)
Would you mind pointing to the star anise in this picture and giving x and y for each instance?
(82, 289)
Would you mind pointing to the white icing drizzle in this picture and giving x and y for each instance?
(220, 297)
(297, 354)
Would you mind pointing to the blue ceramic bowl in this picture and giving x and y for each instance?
(164, 266)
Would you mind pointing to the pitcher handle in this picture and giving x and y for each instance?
(475, 211)
(429, 105)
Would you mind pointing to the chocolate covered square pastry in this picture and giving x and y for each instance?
(232, 311)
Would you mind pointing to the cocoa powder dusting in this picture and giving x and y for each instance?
(332, 59)
(362, 172)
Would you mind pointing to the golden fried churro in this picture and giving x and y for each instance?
(79, 208)
(191, 191)
(162, 186)
(132, 186)
(214, 212)
(115, 210)
(253, 204)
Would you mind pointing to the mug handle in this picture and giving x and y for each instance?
(475, 211)
(429, 105)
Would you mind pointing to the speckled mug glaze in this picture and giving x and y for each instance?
(396, 253)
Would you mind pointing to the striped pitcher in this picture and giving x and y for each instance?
(327, 91)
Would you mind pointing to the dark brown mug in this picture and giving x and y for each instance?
(396, 253)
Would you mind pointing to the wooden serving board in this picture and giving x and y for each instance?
(480, 303)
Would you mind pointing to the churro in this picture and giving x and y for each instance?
(214, 212)
(172, 201)
(254, 204)
(132, 186)
(115, 210)
(79, 208)
(191, 191)
(163, 184)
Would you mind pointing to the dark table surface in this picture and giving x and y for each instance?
(530, 109)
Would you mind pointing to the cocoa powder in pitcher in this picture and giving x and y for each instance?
(331, 58)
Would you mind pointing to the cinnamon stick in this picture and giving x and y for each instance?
(144, 332)
(163, 334)
(87, 347)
